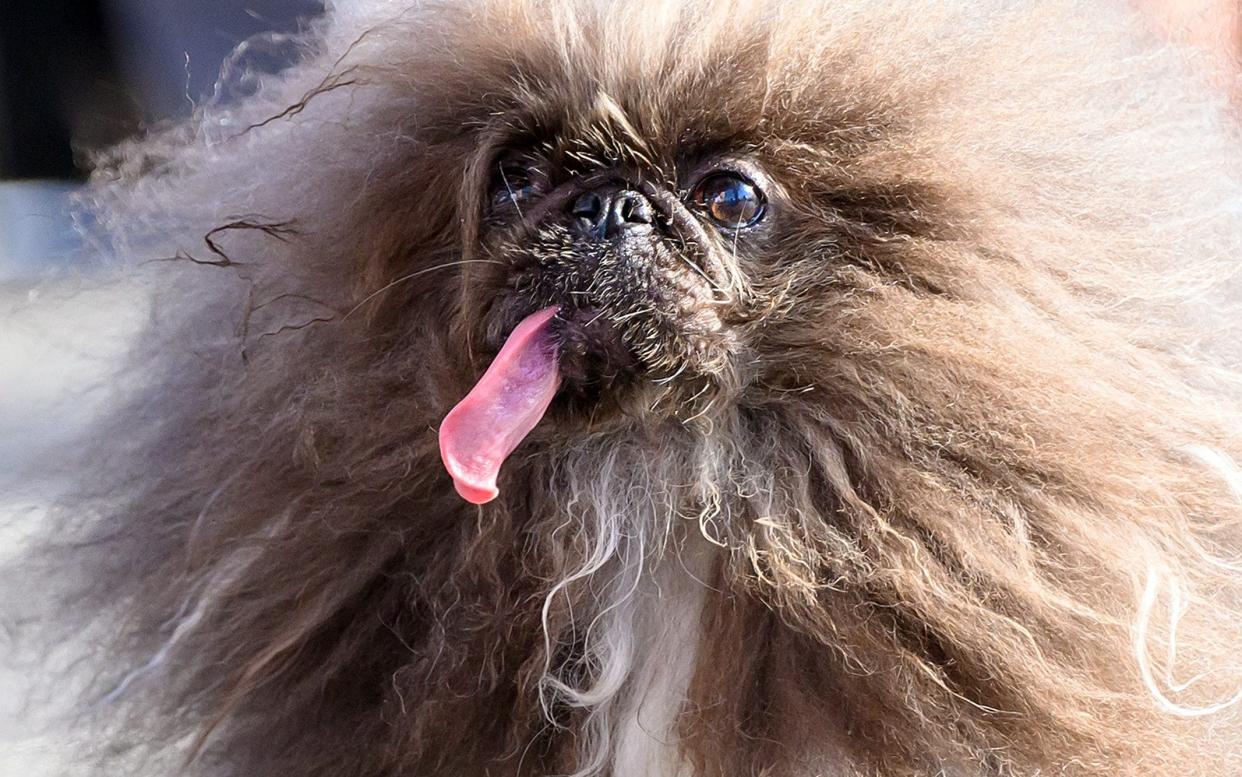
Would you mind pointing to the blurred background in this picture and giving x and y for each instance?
(77, 76)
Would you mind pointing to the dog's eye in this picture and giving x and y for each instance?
(730, 200)
(513, 185)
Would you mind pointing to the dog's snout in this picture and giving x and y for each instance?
(610, 213)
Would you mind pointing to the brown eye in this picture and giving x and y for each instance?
(730, 200)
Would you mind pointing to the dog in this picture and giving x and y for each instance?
(677, 388)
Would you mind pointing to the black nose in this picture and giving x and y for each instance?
(610, 213)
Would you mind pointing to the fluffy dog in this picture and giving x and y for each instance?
(681, 388)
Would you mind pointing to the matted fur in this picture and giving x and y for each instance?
(958, 501)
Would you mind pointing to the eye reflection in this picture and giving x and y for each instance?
(731, 201)
(513, 186)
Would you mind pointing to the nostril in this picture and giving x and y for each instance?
(631, 208)
(587, 206)
(610, 213)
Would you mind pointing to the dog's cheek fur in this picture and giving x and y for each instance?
(966, 457)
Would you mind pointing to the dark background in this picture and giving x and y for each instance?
(78, 75)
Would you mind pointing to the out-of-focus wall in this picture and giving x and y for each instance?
(171, 50)
(78, 75)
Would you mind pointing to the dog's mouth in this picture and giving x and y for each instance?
(596, 353)
(548, 349)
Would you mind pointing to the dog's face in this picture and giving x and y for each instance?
(647, 243)
(699, 223)
(704, 222)
(641, 259)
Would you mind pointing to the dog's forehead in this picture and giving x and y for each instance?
(626, 120)
(615, 126)
(591, 77)
(612, 83)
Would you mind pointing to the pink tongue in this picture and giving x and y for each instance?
(483, 429)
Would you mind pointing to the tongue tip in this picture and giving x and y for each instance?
(474, 486)
(476, 494)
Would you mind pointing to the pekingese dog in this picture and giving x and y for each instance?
(637, 388)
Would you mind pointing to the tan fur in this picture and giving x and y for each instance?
(952, 443)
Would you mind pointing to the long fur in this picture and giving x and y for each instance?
(960, 501)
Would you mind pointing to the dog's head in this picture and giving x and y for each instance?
(699, 206)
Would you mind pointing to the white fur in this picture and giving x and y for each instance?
(668, 632)
(650, 558)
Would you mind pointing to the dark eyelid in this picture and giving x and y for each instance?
(706, 168)
(517, 169)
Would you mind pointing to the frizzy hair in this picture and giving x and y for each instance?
(966, 504)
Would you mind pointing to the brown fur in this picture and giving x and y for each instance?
(942, 453)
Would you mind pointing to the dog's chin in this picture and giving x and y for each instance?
(595, 356)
